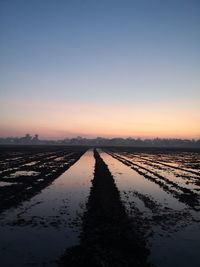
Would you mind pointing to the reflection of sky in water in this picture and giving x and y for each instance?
(184, 160)
(6, 183)
(180, 248)
(182, 180)
(24, 173)
(128, 179)
(173, 175)
(52, 215)
(31, 163)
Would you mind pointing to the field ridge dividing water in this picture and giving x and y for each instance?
(27, 187)
(109, 237)
(186, 196)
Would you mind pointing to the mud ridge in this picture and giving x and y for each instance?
(12, 196)
(167, 165)
(187, 196)
(109, 238)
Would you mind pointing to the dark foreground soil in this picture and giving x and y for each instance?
(109, 238)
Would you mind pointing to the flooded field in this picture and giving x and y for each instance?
(53, 217)
(76, 206)
(167, 200)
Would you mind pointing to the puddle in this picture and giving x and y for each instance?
(6, 184)
(23, 173)
(31, 163)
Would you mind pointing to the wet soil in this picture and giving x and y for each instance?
(121, 222)
(32, 179)
(53, 217)
(172, 221)
(184, 195)
(109, 237)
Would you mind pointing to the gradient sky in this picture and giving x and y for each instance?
(100, 68)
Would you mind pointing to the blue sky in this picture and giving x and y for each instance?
(108, 54)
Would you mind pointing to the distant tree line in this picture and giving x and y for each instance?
(100, 141)
(27, 139)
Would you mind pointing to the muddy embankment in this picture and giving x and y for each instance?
(109, 237)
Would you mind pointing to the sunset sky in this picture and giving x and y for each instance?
(100, 68)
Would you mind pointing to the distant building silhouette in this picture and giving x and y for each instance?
(35, 139)
(100, 141)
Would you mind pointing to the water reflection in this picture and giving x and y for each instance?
(176, 229)
(39, 231)
(128, 179)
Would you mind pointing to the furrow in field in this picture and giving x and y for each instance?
(109, 237)
(177, 161)
(178, 176)
(24, 187)
(170, 225)
(26, 163)
(131, 180)
(37, 232)
(182, 194)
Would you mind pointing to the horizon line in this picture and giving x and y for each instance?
(98, 136)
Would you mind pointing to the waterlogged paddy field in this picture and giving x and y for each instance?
(45, 202)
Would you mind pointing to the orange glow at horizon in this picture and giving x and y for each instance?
(62, 120)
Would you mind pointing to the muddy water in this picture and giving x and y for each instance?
(129, 180)
(170, 246)
(174, 175)
(39, 231)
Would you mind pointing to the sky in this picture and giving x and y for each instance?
(111, 68)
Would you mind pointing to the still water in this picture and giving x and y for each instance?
(129, 180)
(37, 232)
(172, 246)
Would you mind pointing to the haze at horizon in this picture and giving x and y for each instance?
(100, 68)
